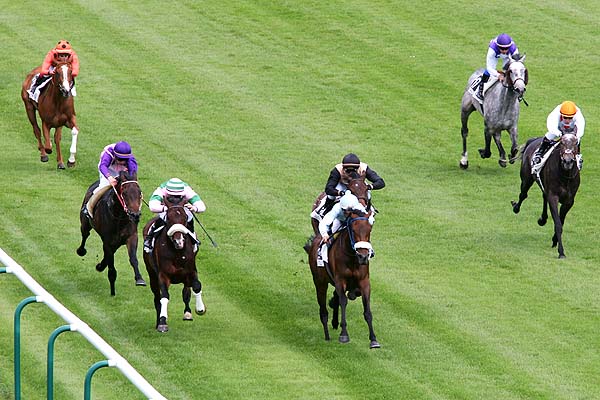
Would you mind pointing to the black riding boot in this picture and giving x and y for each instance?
(154, 229)
(484, 79)
(539, 154)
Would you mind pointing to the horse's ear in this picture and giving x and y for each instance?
(523, 57)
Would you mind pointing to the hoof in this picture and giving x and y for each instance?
(374, 344)
(541, 222)
(515, 206)
(201, 312)
(140, 282)
(162, 328)
(60, 166)
(502, 163)
(100, 268)
(463, 166)
(81, 252)
(44, 158)
(344, 339)
(561, 256)
(49, 151)
(187, 316)
(484, 154)
(71, 164)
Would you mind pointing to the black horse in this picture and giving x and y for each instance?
(116, 218)
(172, 261)
(559, 180)
(348, 271)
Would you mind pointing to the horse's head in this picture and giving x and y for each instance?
(63, 78)
(130, 196)
(176, 220)
(359, 188)
(517, 75)
(359, 225)
(568, 150)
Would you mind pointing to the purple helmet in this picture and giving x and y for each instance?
(123, 150)
(504, 40)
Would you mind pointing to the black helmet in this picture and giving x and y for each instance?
(351, 160)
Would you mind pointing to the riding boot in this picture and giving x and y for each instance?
(154, 229)
(539, 154)
(38, 80)
(329, 203)
(479, 95)
(579, 157)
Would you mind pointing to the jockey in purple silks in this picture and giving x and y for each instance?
(502, 47)
(115, 157)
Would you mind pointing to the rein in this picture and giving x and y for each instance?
(120, 198)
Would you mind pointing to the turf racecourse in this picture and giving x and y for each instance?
(252, 103)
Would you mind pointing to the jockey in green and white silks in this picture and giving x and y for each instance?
(174, 187)
(335, 219)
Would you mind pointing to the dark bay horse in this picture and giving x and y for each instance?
(357, 186)
(56, 109)
(348, 271)
(116, 218)
(559, 180)
(500, 110)
(173, 261)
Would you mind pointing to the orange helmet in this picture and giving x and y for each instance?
(63, 47)
(568, 109)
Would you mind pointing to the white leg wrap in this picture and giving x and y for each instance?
(200, 308)
(74, 133)
(163, 307)
(464, 160)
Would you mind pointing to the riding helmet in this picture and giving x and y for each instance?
(351, 160)
(349, 201)
(175, 187)
(504, 40)
(123, 150)
(568, 109)
(63, 47)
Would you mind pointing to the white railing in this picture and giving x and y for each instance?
(114, 358)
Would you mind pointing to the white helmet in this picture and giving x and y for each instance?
(349, 201)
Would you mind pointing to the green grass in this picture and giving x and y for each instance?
(252, 103)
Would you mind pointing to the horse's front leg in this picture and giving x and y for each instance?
(73, 150)
(340, 288)
(132, 243)
(464, 131)
(365, 288)
(558, 227)
(544, 217)
(109, 261)
(197, 292)
(486, 152)
(514, 147)
(86, 228)
(57, 139)
(163, 285)
(501, 151)
(186, 295)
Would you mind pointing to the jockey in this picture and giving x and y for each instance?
(178, 190)
(115, 157)
(334, 219)
(340, 176)
(502, 46)
(565, 118)
(62, 52)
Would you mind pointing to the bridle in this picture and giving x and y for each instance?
(119, 194)
(353, 243)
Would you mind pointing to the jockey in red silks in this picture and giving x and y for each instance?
(115, 157)
(62, 52)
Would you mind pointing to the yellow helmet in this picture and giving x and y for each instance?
(568, 109)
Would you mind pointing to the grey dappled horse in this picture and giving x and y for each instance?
(500, 110)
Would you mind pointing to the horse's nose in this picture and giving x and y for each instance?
(363, 259)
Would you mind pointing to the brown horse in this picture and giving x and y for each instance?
(559, 180)
(347, 270)
(116, 218)
(357, 186)
(172, 261)
(56, 109)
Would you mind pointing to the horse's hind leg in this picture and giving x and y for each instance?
(466, 110)
(514, 147)
(30, 109)
(526, 182)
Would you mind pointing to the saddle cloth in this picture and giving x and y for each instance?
(475, 84)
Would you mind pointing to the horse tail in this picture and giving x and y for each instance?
(308, 244)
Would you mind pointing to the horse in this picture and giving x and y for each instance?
(347, 270)
(500, 110)
(116, 217)
(56, 109)
(559, 180)
(172, 261)
(357, 186)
